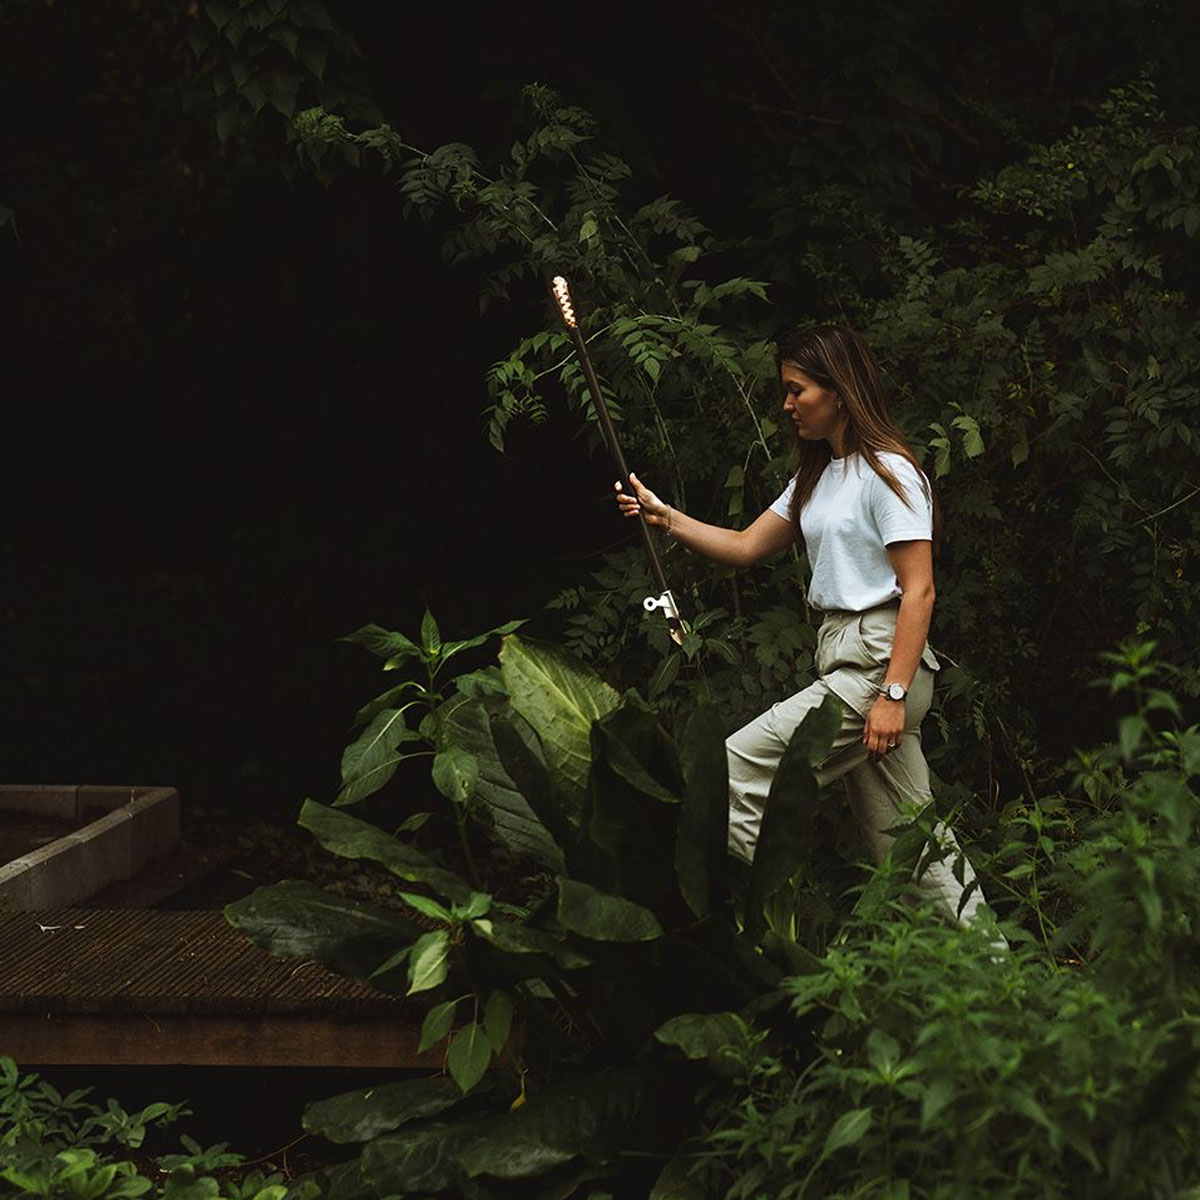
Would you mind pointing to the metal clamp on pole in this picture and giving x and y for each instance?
(666, 602)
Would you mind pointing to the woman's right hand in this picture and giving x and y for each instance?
(643, 499)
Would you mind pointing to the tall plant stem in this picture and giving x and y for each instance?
(460, 818)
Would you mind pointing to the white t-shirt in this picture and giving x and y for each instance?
(849, 518)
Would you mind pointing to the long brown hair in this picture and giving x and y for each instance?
(838, 358)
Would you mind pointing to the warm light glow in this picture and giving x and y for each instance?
(563, 296)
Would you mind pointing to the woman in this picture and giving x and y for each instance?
(868, 518)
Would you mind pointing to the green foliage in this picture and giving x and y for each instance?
(1038, 338)
(595, 997)
(451, 729)
(1057, 1070)
(248, 58)
(649, 981)
(1036, 323)
(66, 1148)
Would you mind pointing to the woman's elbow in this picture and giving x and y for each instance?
(743, 552)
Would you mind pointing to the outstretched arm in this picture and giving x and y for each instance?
(768, 535)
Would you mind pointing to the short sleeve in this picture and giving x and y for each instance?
(895, 520)
(781, 506)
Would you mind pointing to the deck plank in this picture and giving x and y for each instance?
(135, 986)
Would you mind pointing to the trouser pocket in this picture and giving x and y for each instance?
(876, 636)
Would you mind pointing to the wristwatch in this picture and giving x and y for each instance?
(894, 691)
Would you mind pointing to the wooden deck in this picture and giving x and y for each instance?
(151, 987)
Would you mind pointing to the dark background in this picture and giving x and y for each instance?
(243, 415)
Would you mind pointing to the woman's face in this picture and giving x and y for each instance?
(812, 409)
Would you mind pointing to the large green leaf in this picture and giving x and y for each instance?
(700, 1035)
(428, 965)
(632, 812)
(350, 837)
(456, 774)
(465, 724)
(469, 1055)
(701, 842)
(593, 1118)
(594, 914)
(638, 749)
(709, 1037)
(431, 636)
(497, 1019)
(513, 937)
(383, 642)
(364, 1114)
(370, 761)
(528, 771)
(437, 1024)
(449, 649)
(848, 1129)
(787, 835)
(344, 1181)
(560, 697)
(299, 920)
(388, 699)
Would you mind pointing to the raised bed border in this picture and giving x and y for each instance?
(130, 826)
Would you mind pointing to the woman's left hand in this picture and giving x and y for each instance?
(884, 728)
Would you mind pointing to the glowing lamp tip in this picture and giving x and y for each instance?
(563, 296)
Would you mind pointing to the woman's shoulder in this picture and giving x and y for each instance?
(912, 479)
(897, 462)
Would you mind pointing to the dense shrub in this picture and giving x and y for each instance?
(1064, 1069)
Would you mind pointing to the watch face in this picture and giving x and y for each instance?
(896, 691)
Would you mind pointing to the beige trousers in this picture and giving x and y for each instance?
(853, 653)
